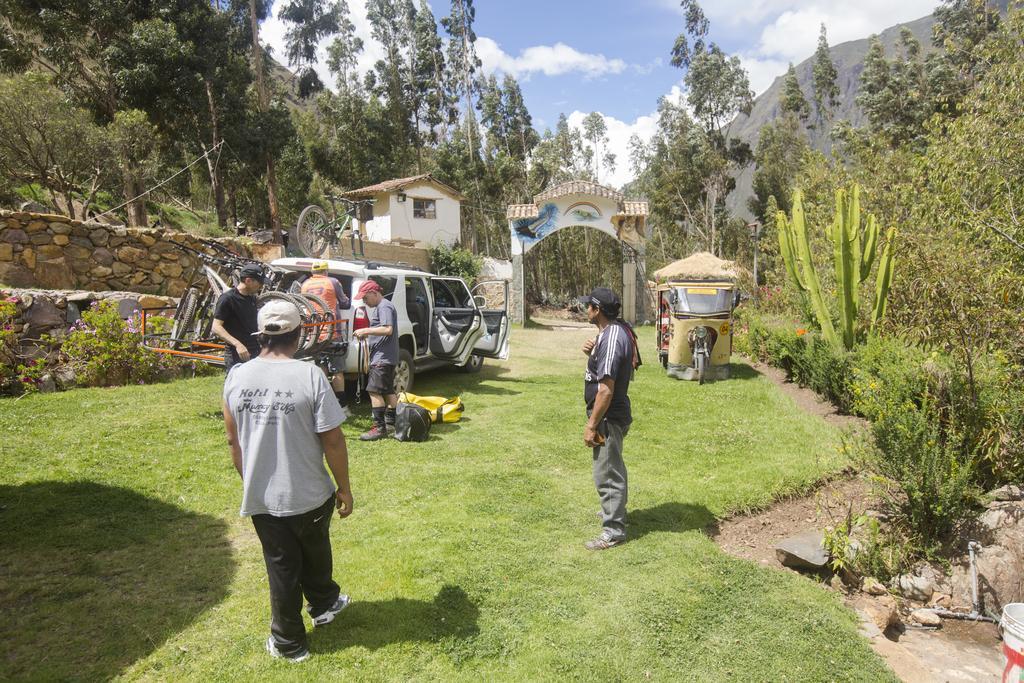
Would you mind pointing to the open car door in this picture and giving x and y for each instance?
(491, 297)
(456, 323)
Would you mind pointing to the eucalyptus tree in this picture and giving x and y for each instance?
(257, 13)
(392, 25)
(463, 64)
(717, 84)
(717, 90)
(310, 23)
(595, 131)
(825, 77)
(433, 104)
(894, 93)
(792, 100)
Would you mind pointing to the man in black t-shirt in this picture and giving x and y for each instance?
(234, 318)
(611, 359)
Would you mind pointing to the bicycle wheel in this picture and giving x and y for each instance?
(308, 313)
(324, 334)
(184, 317)
(312, 231)
(204, 323)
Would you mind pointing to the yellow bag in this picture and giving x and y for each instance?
(440, 409)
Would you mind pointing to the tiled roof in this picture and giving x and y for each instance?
(516, 211)
(399, 184)
(578, 187)
(632, 207)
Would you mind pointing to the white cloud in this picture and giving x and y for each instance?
(645, 69)
(787, 30)
(762, 71)
(874, 14)
(736, 12)
(619, 133)
(550, 60)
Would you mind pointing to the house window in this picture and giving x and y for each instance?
(424, 208)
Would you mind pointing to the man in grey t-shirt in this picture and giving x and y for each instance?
(382, 335)
(282, 421)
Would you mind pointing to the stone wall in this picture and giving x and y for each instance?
(43, 318)
(56, 252)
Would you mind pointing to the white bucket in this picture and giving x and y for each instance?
(1012, 625)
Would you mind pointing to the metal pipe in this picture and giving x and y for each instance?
(975, 613)
(975, 603)
(950, 614)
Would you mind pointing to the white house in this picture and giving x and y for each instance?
(416, 212)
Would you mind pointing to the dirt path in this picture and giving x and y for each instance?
(959, 651)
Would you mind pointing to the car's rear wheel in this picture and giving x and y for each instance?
(405, 372)
(473, 365)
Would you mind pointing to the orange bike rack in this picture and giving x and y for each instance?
(191, 353)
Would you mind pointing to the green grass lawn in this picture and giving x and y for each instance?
(122, 553)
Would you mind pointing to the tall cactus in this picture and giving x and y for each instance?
(795, 244)
(884, 278)
(853, 252)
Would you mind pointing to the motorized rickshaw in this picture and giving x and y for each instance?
(695, 307)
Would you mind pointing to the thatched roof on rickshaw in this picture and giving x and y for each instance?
(700, 266)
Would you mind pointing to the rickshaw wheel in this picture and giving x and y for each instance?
(702, 366)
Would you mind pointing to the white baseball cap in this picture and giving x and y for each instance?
(278, 317)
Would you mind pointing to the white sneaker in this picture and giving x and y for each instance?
(300, 656)
(328, 616)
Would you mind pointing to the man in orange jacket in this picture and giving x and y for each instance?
(322, 285)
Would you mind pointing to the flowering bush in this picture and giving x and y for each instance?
(8, 343)
(30, 375)
(104, 350)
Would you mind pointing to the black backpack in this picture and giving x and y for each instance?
(412, 423)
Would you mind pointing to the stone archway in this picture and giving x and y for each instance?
(587, 204)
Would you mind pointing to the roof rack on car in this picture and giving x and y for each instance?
(372, 265)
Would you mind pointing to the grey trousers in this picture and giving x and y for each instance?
(610, 479)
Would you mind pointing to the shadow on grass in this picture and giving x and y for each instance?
(672, 517)
(453, 382)
(95, 577)
(376, 624)
(743, 371)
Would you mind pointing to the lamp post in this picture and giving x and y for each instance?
(755, 235)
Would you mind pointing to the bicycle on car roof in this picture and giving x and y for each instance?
(315, 231)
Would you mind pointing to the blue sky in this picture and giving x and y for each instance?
(579, 56)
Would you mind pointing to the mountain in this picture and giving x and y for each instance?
(849, 60)
(286, 85)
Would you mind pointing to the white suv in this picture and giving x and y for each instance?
(440, 321)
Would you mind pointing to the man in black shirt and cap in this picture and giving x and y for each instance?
(612, 357)
(234, 318)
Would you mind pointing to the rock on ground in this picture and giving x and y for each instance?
(803, 551)
(915, 587)
(1007, 493)
(883, 612)
(926, 617)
